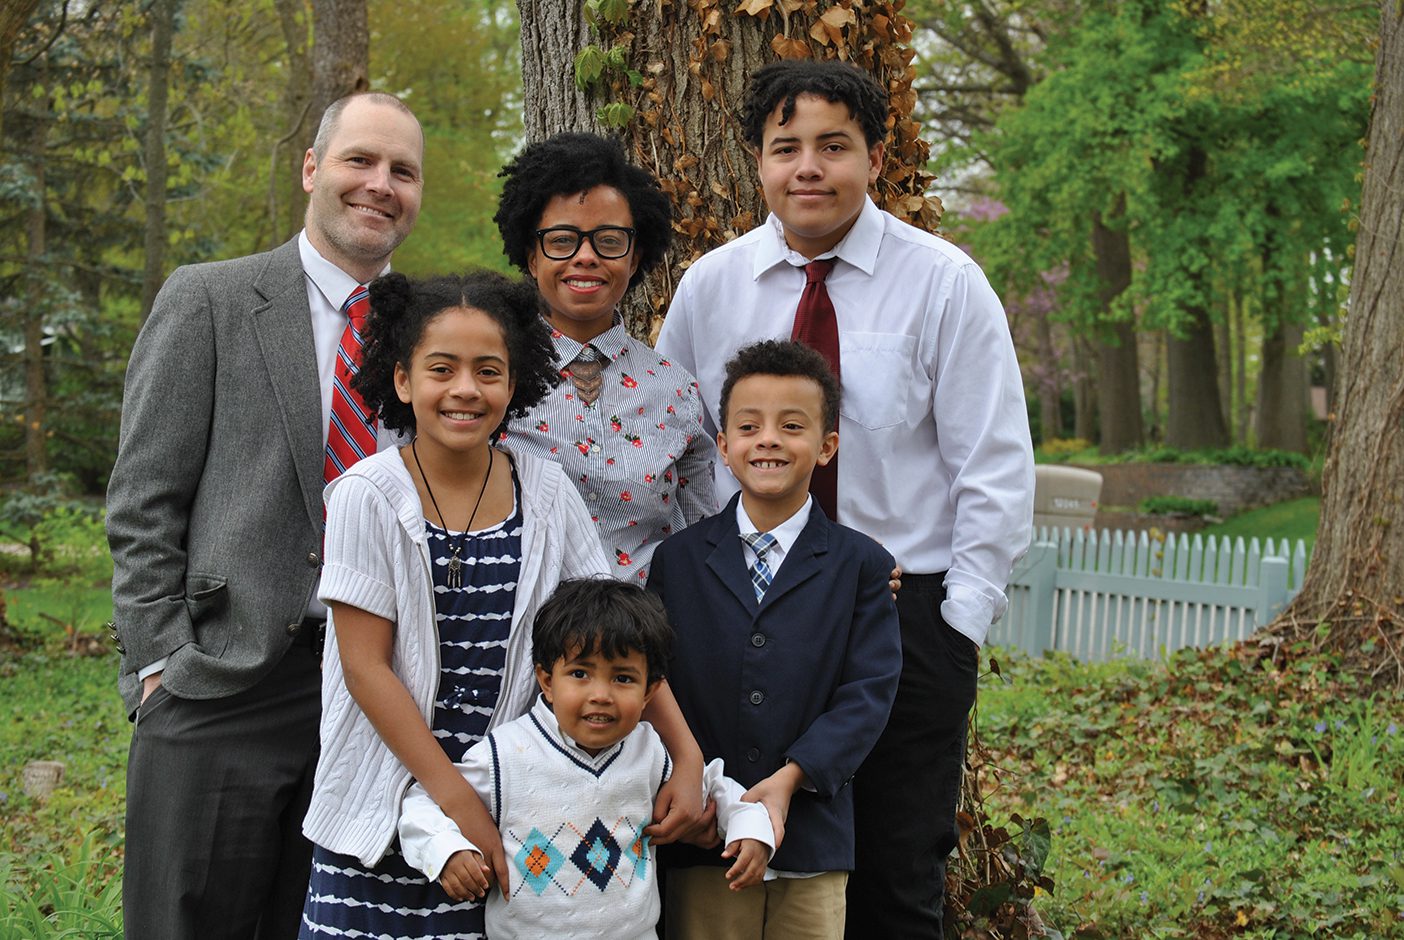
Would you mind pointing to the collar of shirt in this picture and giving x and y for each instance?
(858, 248)
(613, 343)
(334, 284)
(786, 533)
(545, 716)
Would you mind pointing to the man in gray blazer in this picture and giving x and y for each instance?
(215, 522)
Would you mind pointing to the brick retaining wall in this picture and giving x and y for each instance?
(1233, 488)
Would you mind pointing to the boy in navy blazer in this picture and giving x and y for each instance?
(787, 653)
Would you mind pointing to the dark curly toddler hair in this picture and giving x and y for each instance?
(402, 307)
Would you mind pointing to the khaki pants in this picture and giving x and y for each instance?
(701, 905)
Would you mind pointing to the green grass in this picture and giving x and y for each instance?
(1293, 519)
(84, 607)
(60, 858)
(1204, 797)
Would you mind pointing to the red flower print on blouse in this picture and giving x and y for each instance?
(583, 447)
(671, 410)
(614, 424)
(543, 427)
(634, 439)
(649, 478)
(667, 476)
(622, 557)
(626, 496)
(628, 381)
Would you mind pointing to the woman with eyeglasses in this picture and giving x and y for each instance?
(625, 423)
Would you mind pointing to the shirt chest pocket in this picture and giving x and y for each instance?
(877, 373)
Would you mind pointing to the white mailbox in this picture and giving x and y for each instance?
(1065, 496)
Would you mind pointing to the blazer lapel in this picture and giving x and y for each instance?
(283, 324)
(803, 561)
(726, 559)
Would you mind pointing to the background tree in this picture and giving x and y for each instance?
(1352, 599)
(1166, 159)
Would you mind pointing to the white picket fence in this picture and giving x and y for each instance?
(1099, 595)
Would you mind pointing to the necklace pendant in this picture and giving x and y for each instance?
(455, 573)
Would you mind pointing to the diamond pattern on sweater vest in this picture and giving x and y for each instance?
(597, 855)
(538, 861)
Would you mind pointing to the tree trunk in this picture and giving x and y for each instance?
(1084, 391)
(1240, 352)
(154, 151)
(1050, 384)
(553, 31)
(1118, 366)
(693, 62)
(285, 159)
(36, 388)
(1195, 418)
(340, 57)
(14, 16)
(1282, 390)
(1355, 584)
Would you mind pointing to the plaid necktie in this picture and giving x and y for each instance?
(761, 543)
(816, 325)
(351, 433)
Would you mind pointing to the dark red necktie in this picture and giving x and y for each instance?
(351, 433)
(816, 325)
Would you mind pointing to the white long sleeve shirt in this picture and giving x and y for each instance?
(935, 460)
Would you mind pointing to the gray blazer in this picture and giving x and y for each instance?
(214, 509)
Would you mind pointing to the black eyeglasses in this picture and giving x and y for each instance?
(561, 242)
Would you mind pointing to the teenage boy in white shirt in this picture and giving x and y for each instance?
(936, 462)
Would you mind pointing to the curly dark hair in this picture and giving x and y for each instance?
(566, 164)
(783, 357)
(779, 83)
(400, 310)
(602, 615)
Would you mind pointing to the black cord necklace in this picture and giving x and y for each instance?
(455, 563)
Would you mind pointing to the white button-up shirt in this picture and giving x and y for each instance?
(935, 459)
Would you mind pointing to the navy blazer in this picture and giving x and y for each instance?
(808, 676)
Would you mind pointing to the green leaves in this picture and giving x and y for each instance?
(612, 12)
(589, 66)
(616, 114)
(1212, 794)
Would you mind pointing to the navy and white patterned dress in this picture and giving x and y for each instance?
(392, 900)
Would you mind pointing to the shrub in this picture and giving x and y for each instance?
(1178, 506)
(1062, 449)
(64, 534)
(1237, 456)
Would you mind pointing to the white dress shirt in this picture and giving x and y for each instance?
(935, 460)
(784, 534)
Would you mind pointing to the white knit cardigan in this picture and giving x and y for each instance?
(377, 559)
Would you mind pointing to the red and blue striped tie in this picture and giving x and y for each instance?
(351, 434)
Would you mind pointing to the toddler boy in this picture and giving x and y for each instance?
(572, 783)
